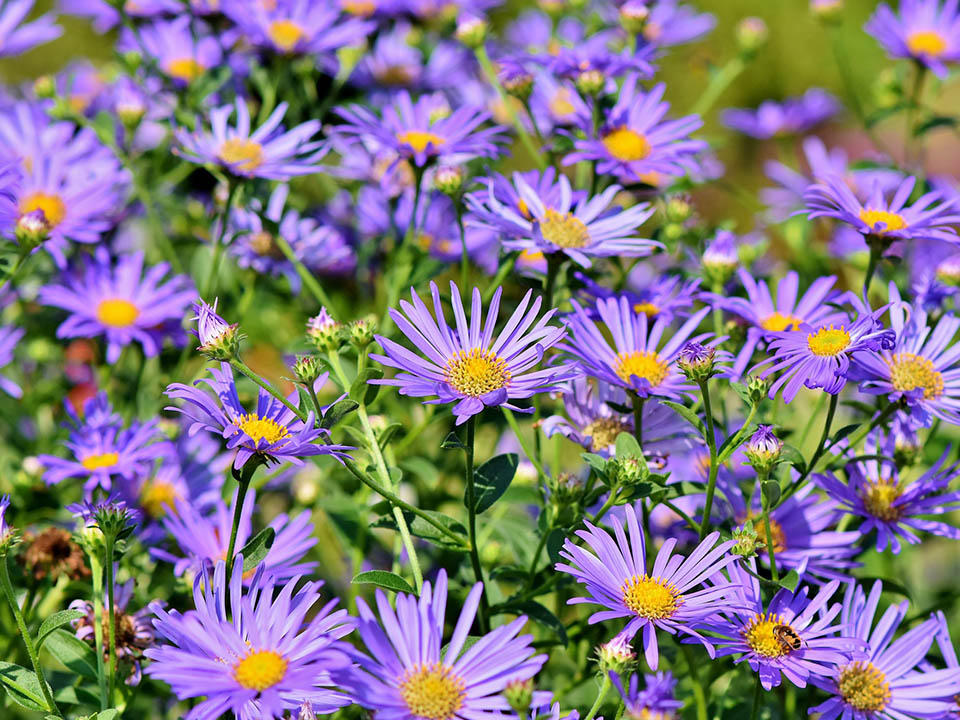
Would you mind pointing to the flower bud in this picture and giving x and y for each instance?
(633, 16)
(948, 271)
(219, 340)
(720, 259)
(678, 209)
(306, 369)
(472, 31)
(887, 89)
(751, 35)
(747, 542)
(616, 655)
(757, 387)
(591, 82)
(627, 471)
(448, 179)
(697, 362)
(360, 332)
(45, 87)
(518, 85)
(519, 695)
(566, 489)
(827, 11)
(324, 331)
(32, 229)
(763, 449)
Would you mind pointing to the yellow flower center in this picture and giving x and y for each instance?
(778, 541)
(260, 670)
(53, 207)
(258, 428)
(477, 372)
(186, 69)
(532, 256)
(243, 153)
(432, 691)
(564, 230)
(650, 598)
(100, 461)
(909, 372)
(626, 145)
(363, 8)
(645, 365)
(117, 312)
(418, 139)
(891, 221)
(828, 342)
(603, 432)
(647, 308)
(779, 323)
(285, 34)
(879, 498)
(864, 687)
(760, 637)
(560, 104)
(926, 42)
(159, 498)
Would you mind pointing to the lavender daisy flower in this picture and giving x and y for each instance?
(9, 337)
(635, 143)
(795, 636)
(592, 423)
(555, 103)
(17, 38)
(887, 220)
(266, 659)
(11, 177)
(892, 506)
(819, 356)
(791, 117)
(669, 23)
(655, 702)
(267, 152)
(122, 303)
(411, 674)
(102, 450)
(634, 362)
(661, 296)
(591, 228)
(763, 315)
(468, 365)
(109, 513)
(184, 50)
(272, 432)
(926, 31)
(418, 132)
(203, 537)
(887, 683)
(667, 599)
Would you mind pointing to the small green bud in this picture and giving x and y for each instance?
(747, 541)
(678, 209)
(472, 31)
(758, 388)
(45, 87)
(519, 695)
(32, 230)
(763, 450)
(448, 179)
(627, 471)
(633, 16)
(306, 369)
(591, 82)
(616, 656)
(697, 362)
(324, 331)
(827, 11)
(360, 332)
(752, 34)
(519, 86)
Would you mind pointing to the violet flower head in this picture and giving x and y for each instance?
(791, 117)
(17, 37)
(925, 31)
(656, 701)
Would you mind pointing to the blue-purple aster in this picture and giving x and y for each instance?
(272, 432)
(670, 598)
(267, 152)
(122, 303)
(9, 337)
(468, 365)
(635, 143)
(16, 37)
(264, 658)
(794, 635)
(636, 362)
(791, 117)
(656, 701)
(669, 23)
(886, 683)
(409, 672)
(925, 31)
(183, 49)
(648, 291)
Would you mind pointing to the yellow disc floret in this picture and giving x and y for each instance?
(432, 691)
(477, 372)
(890, 221)
(117, 312)
(779, 322)
(243, 153)
(603, 432)
(419, 139)
(926, 42)
(564, 230)
(650, 598)
(258, 428)
(828, 342)
(760, 637)
(285, 34)
(100, 461)
(186, 69)
(909, 372)
(626, 145)
(158, 498)
(260, 670)
(53, 207)
(645, 365)
(879, 497)
(864, 687)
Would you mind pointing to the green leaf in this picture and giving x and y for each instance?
(22, 686)
(790, 455)
(468, 643)
(56, 620)
(597, 462)
(687, 414)
(844, 431)
(257, 548)
(627, 446)
(790, 581)
(509, 573)
(536, 612)
(361, 390)
(72, 695)
(935, 122)
(385, 580)
(337, 412)
(492, 479)
(771, 492)
(73, 653)
(422, 529)
(386, 435)
(742, 391)
(727, 448)
(452, 442)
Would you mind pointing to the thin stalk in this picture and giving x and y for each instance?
(910, 144)
(638, 419)
(472, 520)
(757, 695)
(210, 285)
(242, 367)
(243, 484)
(17, 266)
(718, 83)
(531, 456)
(409, 547)
(714, 465)
(768, 536)
(536, 554)
(96, 572)
(506, 267)
(872, 264)
(110, 539)
(699, 692)
(604, 689)
(818, 453)
(611, 501)
(309, 281)
(25, 634)
(693, 524)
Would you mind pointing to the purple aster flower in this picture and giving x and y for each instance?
(795, 636)
(506, 194)
(212, 330)
(5, 526)
(438, 232)
(892, 506)
(635, 143)
(667, 599)
(655, 702)
(589, 421)
(926, 31)
(111, 512)
(183, 49)
(818, 356)
(591, 228)
(122, 303)
(102, 450)
(556, 103)
(669, 23)
(202, 538)
(886, 684)
(421, 132)
(135, 632)
(920, 369)
(468, 365)
(105, 16)
(660, 296)
(11, 177)
(263, 659)
(791, 117)
(763, 315)
(17, 38)
(634, 362)
(268, 152)
(272, 432)
(888, 220)
(9, 338)
(409, 673)
(595, 56)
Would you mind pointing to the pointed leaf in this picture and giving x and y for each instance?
(492, 479)
(72, 652)
(687, 414)
(385, 580)
(361, 390)
(22, 686)
(790, 581)
(771, 492)
(257, 548)
(452, 442)
(337, 412)
(627, 446)
(56, 620)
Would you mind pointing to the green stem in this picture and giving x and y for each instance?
(536, 554)
(611, 501)
(604, 688)
(757, 695)
(243, 484)
(531, 456)
(109, 540)
(409, 547)
(17, 266)
(699, 693)
(210, 285)
(694, 525)
(242, 367)
(309, 281)
(718, 83)
(768, 533)
(910, 145)
(96, 571)
(506, 267)
(739, 438)
(714, 465)
(638, 419)
(876, 251)
(472, 521)
(25, 634)
(818, 453)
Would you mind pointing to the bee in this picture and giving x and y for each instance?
(787, 637)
